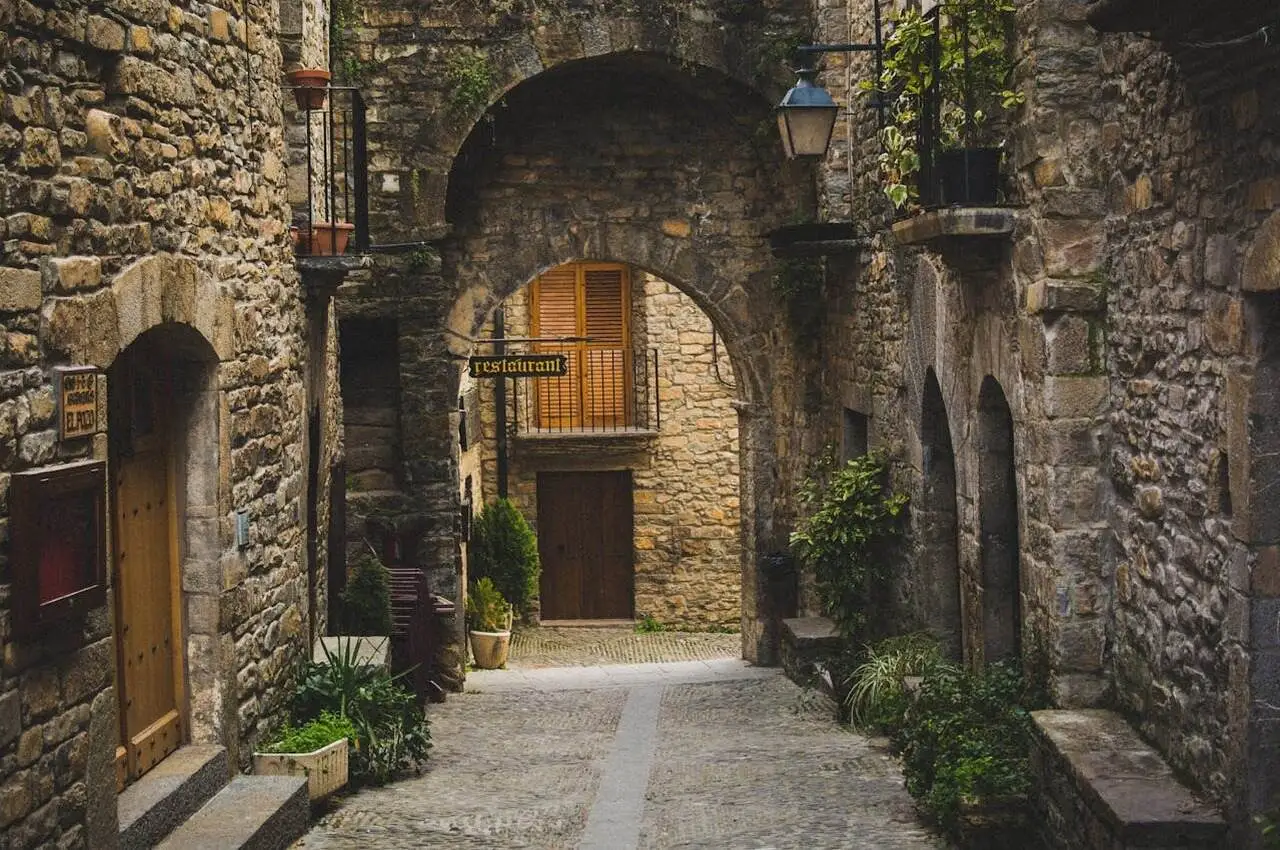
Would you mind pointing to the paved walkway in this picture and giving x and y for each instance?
(703, 754)
(576, 646)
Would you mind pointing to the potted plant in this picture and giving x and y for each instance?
(503, 548)
(317, 750)
(310, 87)
(489, 620)
(323, 238)
(962, 67)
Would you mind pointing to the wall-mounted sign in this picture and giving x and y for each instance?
(519, 366)
(58, 544)
(77, 401)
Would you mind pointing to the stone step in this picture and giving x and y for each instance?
(169, 793)
(250, 813)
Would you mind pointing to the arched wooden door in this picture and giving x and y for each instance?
(145, 561)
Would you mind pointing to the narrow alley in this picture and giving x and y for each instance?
(685, 754)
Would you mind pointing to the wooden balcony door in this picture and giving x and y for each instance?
(145, 561)
(585, 541)
(589, 301)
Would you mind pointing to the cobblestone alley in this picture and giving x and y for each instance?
(691, 754)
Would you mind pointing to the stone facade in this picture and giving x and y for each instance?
(684, 473)
(143, 191)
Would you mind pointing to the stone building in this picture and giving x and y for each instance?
(628, 466)
(166, 408)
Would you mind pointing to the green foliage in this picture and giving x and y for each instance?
(981, 77)
(469, 81)
(966, 739)
(391, 730)
(848, 537)
(876, 698)
(366, 600)
(503, 548)
(648, 625)
(1269, 830)
(312, 735)
(343, 15)
(487, 609)
(799, 281)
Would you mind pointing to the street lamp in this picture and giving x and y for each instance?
(807, 114)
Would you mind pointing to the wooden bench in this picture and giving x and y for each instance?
(1101, 787)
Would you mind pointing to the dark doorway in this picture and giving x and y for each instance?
(998, 523)
(936, 522)
(585, 534)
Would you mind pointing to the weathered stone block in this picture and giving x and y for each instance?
(68, 274)
(1262, 261)
(1047, 296)
(104, 34)
(19, 290)
(40, 150)
(10, 717)
(1075, 397)
(1068, 345)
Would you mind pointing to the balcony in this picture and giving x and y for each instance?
(609, 395)
(329, 150)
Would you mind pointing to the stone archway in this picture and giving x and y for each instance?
(679, 187)
(998, 525)
(936, 521)
(167, 297)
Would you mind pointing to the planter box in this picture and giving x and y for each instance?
(326, 769)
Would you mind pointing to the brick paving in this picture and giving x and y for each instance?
(577, 646)
(713, 755)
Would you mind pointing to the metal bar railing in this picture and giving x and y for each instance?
(607, 390)
(337, 156)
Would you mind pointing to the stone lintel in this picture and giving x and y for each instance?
(956, 221)
(321, 276)
(1065, 296)
(1122, 781)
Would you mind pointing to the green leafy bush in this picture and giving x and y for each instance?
(848, 537)
(876, 698)
(649, 625)
(487, 610)
(966, 739)
(391, 729)
(366, 600)
(503, 548)
(313, 735)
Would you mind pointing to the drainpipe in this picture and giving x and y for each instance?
(500, 400)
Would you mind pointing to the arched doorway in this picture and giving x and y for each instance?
(998, 525)
(160, 405)
(936, 522)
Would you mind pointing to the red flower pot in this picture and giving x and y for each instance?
(325, 239)
(310, 87)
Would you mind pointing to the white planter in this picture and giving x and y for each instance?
(326, 769)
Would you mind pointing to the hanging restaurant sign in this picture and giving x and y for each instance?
(519, 366)
(77, 401)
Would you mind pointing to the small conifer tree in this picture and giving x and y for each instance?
(503, 548)
(366, 600)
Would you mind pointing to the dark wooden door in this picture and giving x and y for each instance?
(585, 534)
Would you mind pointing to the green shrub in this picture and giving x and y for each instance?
(366, 600)
(487, 610)
(503, 548)
(649, 625)
(966, 739)
(391, 730)
(848, 537)
(876, 698)
(313, 735)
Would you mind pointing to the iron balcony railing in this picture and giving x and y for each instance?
(337, 167)
(607, 390)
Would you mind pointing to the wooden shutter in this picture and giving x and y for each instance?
(593, 301)
(556, 314)
(606, 309)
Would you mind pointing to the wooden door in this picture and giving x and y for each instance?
(585, 540)
(145, 561)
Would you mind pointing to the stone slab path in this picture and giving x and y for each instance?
(714, 755)
(576, 646)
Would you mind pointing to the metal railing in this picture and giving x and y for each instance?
(607, 390)
(337, 163)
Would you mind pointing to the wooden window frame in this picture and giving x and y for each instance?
(30, 494)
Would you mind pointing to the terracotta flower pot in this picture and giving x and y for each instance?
(310, 87)
(325, 239)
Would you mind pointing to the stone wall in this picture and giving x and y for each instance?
(142, 178)
(684, 477)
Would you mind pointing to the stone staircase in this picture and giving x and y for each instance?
(187, 803)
